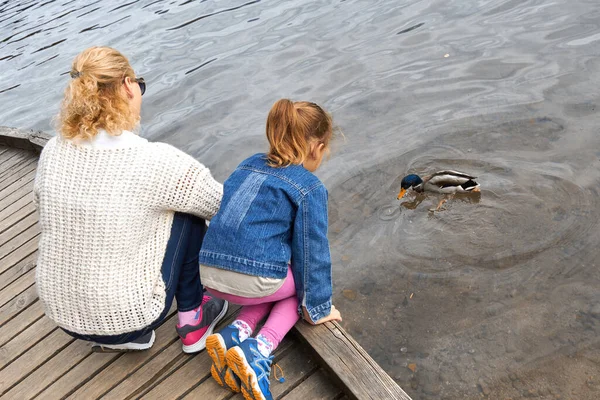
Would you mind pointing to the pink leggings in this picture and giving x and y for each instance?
(283, 307)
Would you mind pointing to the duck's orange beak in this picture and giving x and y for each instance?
(401, 194)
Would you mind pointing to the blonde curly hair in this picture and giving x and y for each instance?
(95, 98)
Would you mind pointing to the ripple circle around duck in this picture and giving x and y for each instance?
(524, 209)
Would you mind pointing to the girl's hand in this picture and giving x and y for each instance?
(334, 315)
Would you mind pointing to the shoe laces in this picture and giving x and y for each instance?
(281, 379)
(267, 363)
(206, 298)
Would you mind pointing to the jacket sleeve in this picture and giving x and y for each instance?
(188, 186)
(311, 259)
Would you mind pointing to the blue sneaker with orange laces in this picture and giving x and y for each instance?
(217, 346)
(252, 368)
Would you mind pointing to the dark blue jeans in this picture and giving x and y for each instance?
(180, 272)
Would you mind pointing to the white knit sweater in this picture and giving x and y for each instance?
(106, 214)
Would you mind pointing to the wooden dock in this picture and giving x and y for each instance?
(37, 359)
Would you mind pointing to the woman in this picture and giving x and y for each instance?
(122, 219)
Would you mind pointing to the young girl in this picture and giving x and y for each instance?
(267, 248)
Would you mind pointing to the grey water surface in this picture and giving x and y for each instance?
(494, 296)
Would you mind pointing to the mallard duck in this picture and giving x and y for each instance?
(447, 182)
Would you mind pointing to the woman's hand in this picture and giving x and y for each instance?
(334, 315)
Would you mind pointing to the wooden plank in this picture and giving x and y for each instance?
(26, 180)
(18, 286)
(81, 365)
(19, 254)
(17, 325)
(297, 364)
(15, 243)
(78, 375)
(25, 340)
(14, 214)
(154, 371)
(168, 359)
(360, 376)
(17, 157)
(317, 387)
(36, 356)
(177, 375)
(95, 368)
(18, 304)
(19, 269)
(19, 173)
(16, 229)
(48, 372)
(7, 155)
(8, 151)
(11, 162)
(24, 191)
(193, 369)
(23, 139)
(209, 389)
(123, 367)
(22, 170)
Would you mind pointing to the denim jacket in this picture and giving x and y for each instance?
(269, 217)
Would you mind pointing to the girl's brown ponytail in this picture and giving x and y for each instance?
(291, 127)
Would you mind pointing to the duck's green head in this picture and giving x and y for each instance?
(409, 181)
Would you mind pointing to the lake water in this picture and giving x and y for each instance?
(495, 295)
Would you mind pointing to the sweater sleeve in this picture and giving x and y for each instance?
(188, 186)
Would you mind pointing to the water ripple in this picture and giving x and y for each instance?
(214, 13)
(412, 28)
(49, 46)
(10, 88)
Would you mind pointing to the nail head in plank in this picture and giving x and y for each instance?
(18, 286)
(20, 268)
(19, 254)
(17, 305)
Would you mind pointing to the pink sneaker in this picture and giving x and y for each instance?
(193, 337)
